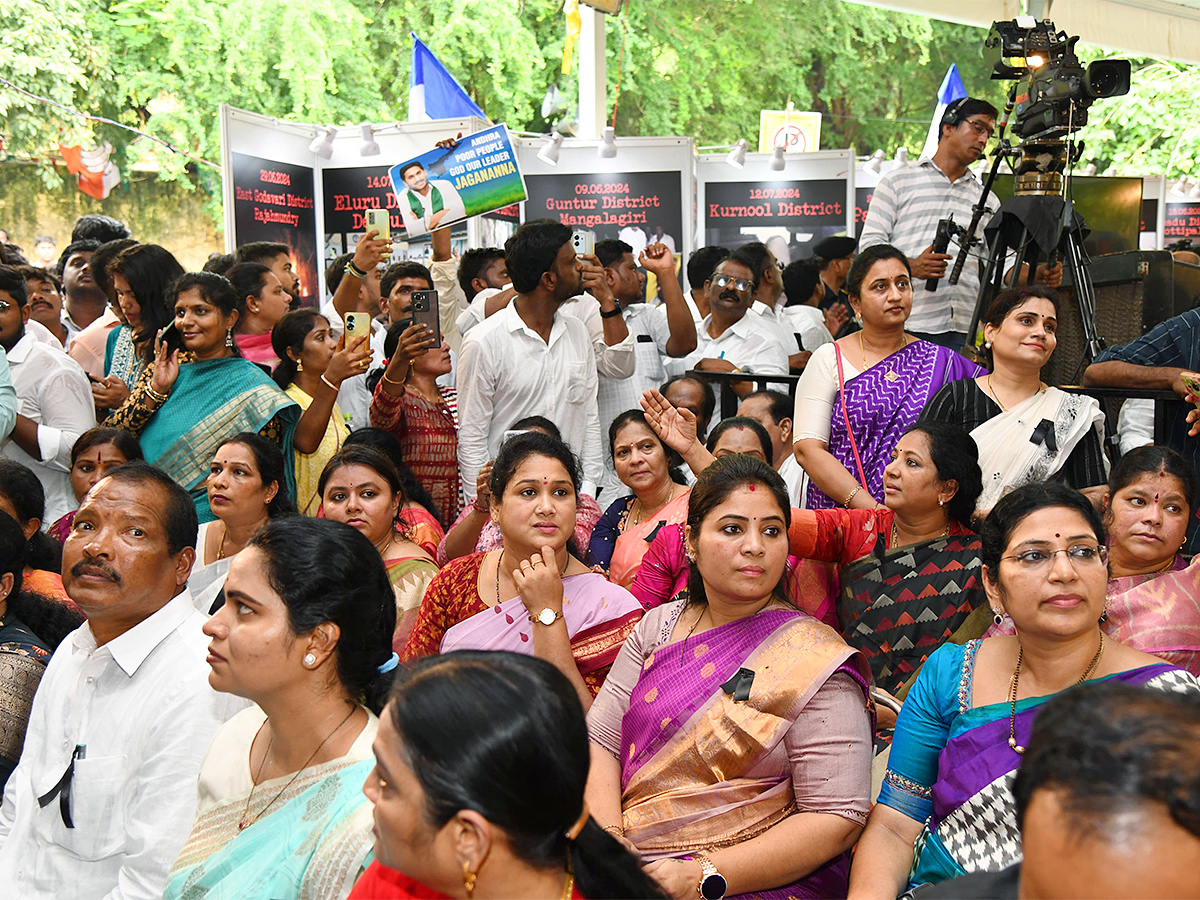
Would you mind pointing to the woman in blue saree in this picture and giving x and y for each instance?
(199, 391)
(947, 791)
(281, 812)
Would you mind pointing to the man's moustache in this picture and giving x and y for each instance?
(77, 569)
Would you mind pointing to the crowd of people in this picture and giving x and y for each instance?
(503, 609)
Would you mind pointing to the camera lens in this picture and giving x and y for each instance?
(1108, 78)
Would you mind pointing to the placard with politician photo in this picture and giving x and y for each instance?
(478, 174)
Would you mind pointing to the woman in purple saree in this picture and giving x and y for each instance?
(731, 743)
(860, 393)
(947, 808)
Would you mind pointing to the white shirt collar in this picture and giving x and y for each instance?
(130, 648)
(21, 349)
(513, 322)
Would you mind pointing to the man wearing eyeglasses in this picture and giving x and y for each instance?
(728, 339)
(909, 201)
(105, 791)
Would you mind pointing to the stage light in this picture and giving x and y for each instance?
(549, 152)
(608, 144)
(322, 144)
(737, 156)
(369, 147)
(777, 161)
(1180, 186)
(901, 157)
(875, 163)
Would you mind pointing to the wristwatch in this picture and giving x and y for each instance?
(712, 884)
(546, 617)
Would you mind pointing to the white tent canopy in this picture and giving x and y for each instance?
(1164, 28)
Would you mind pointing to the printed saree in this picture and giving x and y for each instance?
(312, 844)
(951, 766)
(410, 577)
(703, 714)
(1032, 440)
(599, 616)
(210, 402)
(898, 606)
(880, 404)
(23, 659)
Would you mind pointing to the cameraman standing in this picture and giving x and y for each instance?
(905, 210)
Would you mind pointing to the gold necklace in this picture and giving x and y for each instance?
(1016, 679)
(642, 506)
(889, 375)
(568, 885)
(246, 821)
(500, 559)
(221, 546)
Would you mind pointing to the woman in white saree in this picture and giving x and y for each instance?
(1026, 431)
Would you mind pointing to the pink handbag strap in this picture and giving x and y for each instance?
(837, 351)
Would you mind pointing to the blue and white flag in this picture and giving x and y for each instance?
(952, 89)
(433, 93)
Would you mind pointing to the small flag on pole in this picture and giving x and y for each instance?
(952, 89)
(433, 93)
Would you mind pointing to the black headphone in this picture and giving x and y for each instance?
(951, 115)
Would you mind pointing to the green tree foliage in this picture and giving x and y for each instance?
(701, 68)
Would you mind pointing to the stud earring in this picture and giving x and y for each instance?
(996, 617)
(987, 345)
(468, 879)
(310, 660)
(941, 502)
(229, 338)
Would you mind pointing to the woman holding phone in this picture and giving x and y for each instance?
(312, 367)
(423, 415)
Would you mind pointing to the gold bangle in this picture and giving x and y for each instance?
(329, 384)
(403, 380)
(615, 830)
(851, 496)
(154, 395)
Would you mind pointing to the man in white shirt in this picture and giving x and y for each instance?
(730, 338)
(635, 236)
(658, 332)
(773, 411)
(83, 299)
(54, 399)
(105, 792)
(530, 359)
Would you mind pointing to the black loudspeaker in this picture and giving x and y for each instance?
(1135, 291)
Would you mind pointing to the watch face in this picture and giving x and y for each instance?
(547, 616)
(713, 886)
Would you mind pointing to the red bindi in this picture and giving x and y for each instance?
(1056, 534)
(751, 486)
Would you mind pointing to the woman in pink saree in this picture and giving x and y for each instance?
(731, 743)
(533, 596)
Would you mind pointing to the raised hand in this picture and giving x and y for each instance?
(539, 582)
(657, 258)
(350, 359)
(371, 251)
(595, 282)
(166, 365)
(676, 426)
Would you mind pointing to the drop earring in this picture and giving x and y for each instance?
(1104, 614)
(996, 617)
(229, 338)
(299, 365)
(987, 345)
(468, 879)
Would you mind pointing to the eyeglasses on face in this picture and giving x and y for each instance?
(739, 284)
(981, 127)
(1081, 556)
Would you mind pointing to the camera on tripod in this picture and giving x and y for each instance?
(1058, 90)
(1053, 101)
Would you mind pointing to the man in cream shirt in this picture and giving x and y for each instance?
(105, 791)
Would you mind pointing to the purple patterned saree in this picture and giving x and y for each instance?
(881, 404)
(696, 732)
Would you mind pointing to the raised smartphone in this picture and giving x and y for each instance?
(584, 242)
(358, 324)
(378, 219)
(425, 312)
